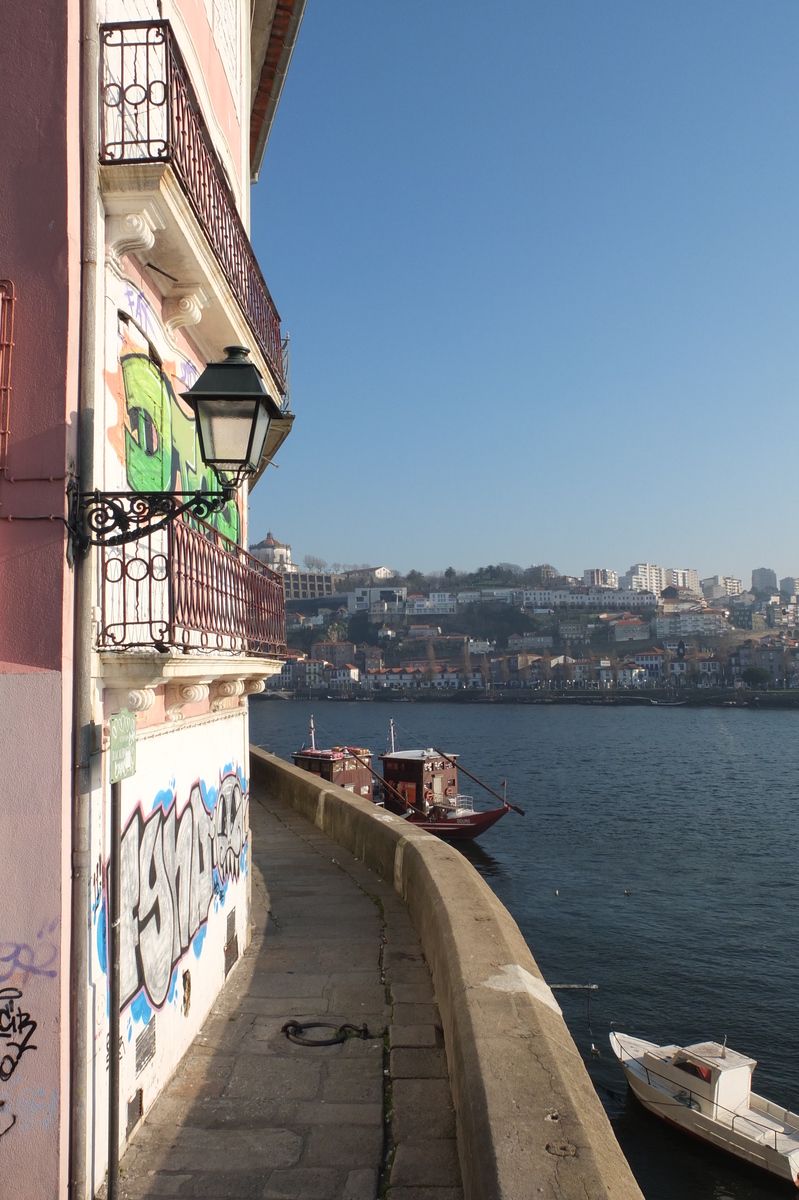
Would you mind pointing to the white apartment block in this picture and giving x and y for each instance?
(715, 587)
(683, 577)
(362, 599)
(645, 577)
(601, 577)
(708, 622)
(439, 604)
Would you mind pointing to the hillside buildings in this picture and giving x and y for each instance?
(297, 584)
(646, 577)
(718, 587)
(132, 138)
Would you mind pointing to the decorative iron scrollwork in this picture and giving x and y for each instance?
(114, 518)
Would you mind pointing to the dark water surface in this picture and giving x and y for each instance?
(695, 813)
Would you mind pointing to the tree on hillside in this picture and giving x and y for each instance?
(756, 676)
(313, 563)
(415, 578)
(450, 573)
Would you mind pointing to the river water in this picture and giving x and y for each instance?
(694, 812)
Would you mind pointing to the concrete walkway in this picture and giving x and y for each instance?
(249, 1114)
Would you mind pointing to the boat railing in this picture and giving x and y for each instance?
(464, 803)
(688, 1099)
(753, 1121)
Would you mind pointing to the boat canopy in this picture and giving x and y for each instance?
(416, 755)
(714, 1055)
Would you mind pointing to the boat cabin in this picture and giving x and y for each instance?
(423, 777)
(716, 1081)
(346, 766)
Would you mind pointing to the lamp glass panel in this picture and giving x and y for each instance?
(225, 430)
(262, 424)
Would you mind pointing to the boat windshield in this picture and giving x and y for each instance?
(695, 1070)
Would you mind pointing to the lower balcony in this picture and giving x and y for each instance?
(188, 588)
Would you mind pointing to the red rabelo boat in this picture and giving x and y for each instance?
(418, 785)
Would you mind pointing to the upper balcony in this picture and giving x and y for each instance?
(168, 200)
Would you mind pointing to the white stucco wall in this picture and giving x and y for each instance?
(184, 877)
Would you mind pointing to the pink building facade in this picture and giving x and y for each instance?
(133, 130)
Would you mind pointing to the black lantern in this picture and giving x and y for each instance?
(233, 411)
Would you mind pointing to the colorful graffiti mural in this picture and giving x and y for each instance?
(172, 866)
(156, 438)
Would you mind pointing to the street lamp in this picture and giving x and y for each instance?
(233, 411)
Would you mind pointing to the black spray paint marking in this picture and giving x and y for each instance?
(16, 1030)
(7, 1119)
(167, 882)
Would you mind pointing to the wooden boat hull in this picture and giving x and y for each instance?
(681, 1115)
(459, 828)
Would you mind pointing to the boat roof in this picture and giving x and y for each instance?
(417, 754)
(713, 1054)
(336, 752)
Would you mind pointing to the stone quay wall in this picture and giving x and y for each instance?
(529, 1122)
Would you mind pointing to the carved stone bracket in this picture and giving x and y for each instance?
(128, 233)
(184, 308)
(179, 694)
(140, 699)
(252, 687)
(224, 690)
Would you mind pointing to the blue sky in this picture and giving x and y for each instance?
(540, 266)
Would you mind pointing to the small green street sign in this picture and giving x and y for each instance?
(123, 745)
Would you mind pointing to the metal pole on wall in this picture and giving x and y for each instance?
(113, 990)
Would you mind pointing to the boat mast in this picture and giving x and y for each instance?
(391, 733)
(313, 734)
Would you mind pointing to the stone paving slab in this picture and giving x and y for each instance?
(247, 1113)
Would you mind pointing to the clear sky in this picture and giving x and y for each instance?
(539, 260)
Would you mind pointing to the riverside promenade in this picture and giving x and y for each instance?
(248, 1114)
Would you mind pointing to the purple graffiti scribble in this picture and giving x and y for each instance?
(30, 960)
(16, 1030)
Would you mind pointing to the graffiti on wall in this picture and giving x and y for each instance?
(39, 958)
(171, 866)
(157, 441)
(17, 1027)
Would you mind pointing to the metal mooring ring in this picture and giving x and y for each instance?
(294, 1031)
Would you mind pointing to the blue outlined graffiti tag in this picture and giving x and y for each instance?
(170, 868)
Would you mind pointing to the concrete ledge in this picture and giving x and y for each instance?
(529, 1121)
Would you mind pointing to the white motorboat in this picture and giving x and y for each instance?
(706, 1089)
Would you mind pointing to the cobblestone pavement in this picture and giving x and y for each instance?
(249, 1114)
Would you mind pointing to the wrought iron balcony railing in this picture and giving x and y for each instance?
(190, 587)
(149, 114)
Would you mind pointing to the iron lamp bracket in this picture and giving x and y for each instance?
(114, 518)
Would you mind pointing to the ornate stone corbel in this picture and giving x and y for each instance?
(180, 694)
(140, 699)
(253, 686)
(223, 690)
(128, 233)
(184, 308)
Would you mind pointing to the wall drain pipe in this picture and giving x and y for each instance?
(82, 713)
